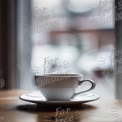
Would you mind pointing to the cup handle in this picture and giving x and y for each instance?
(92, 87)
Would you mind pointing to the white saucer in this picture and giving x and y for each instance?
(38, 98)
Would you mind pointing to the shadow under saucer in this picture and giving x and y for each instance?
(42, 108)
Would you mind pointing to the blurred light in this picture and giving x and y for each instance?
(47, 3)
(79, 6)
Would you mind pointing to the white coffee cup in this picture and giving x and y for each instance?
(61, 87)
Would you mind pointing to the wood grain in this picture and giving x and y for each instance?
(15, 110)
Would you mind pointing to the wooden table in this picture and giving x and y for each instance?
(14, 110)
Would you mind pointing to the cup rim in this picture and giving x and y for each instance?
(59, 75)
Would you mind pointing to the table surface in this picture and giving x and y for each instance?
(14, 110)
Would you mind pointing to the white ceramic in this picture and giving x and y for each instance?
(57, 87)
(38, 98)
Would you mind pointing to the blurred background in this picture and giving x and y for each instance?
(60, 36)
